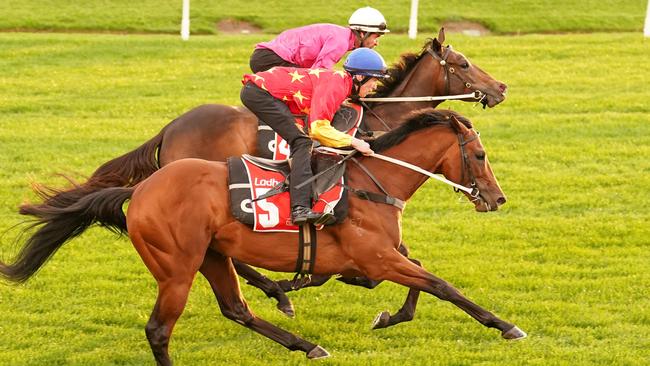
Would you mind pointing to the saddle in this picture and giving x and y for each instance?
(259, 190)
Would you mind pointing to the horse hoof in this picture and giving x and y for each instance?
(287, 309)
(381, 320)
(317, 352)
(514, 333)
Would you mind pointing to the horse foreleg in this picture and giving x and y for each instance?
(319, 280)
(270, 288)
(402, 271)
(221, 274)
(370, 284)
(405, 314)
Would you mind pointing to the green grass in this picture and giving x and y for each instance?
(566, 259)
(151, 16)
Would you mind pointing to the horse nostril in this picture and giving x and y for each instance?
(503, 87)
(501, 201)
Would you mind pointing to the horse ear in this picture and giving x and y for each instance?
(457, 125)
(436, 46)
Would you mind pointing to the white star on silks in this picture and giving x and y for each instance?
(257, 77)
(316, 72)
(298, 95)
(340, 73)
(295, 76)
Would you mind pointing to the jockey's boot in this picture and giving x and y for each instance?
(301, 215)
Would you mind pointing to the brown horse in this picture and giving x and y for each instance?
(215, 132)
(180, 223)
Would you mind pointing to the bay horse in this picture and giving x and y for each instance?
(215, 132)
(179, 221)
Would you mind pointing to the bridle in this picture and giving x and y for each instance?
(449, 70)
(465, 167)
(386, 198)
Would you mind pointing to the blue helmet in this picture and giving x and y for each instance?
(367, 62)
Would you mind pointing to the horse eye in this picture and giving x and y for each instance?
(480, 155)
(465, 65)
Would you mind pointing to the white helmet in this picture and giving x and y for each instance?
(368, 20)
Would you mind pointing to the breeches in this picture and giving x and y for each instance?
(277, 115)
(263, 59)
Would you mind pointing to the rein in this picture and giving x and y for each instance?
(477, 94)
(472, 190)
(366, 106)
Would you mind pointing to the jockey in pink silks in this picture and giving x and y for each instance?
(320, 45)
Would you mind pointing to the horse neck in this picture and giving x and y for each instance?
(426, 78)
(416, 149)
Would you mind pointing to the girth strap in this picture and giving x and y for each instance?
(306, 250)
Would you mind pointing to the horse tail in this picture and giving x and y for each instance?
(57, 225)
(124, 171)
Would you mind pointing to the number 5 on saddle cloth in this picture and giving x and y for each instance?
(252, 182)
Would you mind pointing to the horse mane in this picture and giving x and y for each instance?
(419, 120)
(398, 71)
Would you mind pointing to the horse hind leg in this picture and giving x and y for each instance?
(174, 270)
(220, 273)
(169, 307)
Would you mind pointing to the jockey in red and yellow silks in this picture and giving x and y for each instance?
(318, 93)
(275, 95)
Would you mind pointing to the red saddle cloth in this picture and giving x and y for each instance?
(271, 214)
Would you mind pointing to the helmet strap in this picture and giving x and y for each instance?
(360, 38)
(356, 84)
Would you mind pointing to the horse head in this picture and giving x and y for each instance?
(461, 76)
(470, 167)
(440, 142)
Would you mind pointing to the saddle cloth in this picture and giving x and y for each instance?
(271, 146)
(251, 177)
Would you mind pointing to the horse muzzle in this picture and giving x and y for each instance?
(482, 204)
(494, 96)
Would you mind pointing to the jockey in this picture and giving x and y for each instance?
(277, 94)
(320, 45)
